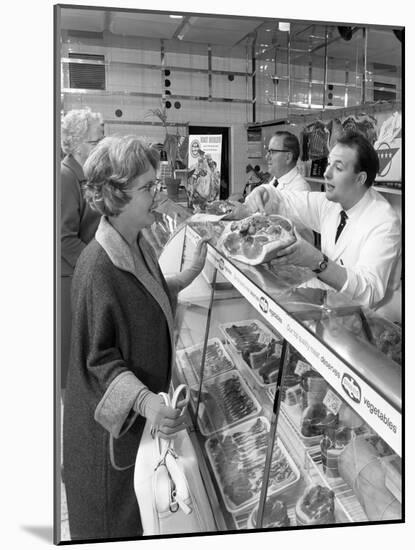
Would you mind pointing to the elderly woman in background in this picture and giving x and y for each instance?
(81, 130)
(122, 343)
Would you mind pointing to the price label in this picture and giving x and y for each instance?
(301, 367)
(332, 402)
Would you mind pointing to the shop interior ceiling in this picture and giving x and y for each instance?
(231, 35)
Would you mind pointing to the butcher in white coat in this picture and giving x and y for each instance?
(360, 252)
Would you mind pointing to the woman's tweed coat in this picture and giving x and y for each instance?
(122, 339)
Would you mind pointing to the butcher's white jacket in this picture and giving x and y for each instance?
(291, 181)
(369, 246)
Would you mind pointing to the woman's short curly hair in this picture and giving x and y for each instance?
(111, 167)
(75, 126)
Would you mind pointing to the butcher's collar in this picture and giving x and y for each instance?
(288, 177)
(115, 246)
(359, 206)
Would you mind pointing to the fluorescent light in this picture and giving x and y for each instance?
(176, 16)
(283, 26)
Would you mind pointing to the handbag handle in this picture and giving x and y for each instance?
(163, 445)
(182, 388)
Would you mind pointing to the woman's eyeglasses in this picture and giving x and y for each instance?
(272, 151)
(152, 187)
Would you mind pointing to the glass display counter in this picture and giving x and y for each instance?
(295, 394)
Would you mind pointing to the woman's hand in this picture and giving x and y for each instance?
(199, 256)
(166, 420)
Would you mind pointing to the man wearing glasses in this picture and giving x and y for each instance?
(282, 157)
(81, 131)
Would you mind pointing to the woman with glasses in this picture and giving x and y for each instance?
(122, 343)
(81, 130)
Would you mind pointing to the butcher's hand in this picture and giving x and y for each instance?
(300, 253)
(166, 420)
(257, 199)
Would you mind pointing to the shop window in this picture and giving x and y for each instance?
(87, 76)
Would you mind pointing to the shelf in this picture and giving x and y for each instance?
(377, 187)
(388, 190)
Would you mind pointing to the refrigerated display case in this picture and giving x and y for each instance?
(295, 393)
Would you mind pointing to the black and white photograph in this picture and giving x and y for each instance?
(225, 299)
(230, 349)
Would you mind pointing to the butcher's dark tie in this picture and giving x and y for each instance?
(275, 182)
(343, 219)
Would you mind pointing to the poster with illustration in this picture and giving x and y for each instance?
(203, 176)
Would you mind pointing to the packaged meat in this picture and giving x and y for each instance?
(275, 514)
(332, 444)
(225, 400)
(360, 465)
(316, 506)
(256, 239)
(237, 457)
(217, 359)
(228, 210)
(315, 419)
(259, 347)
(313, 388)
(219, 207)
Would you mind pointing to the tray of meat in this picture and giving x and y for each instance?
(315, 506)
(259, 347)
(217, 359)
(256, 239)
(225, 400)
(387, 337)
(237, 457)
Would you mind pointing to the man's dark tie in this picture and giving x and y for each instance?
(343, 219)
(275, 182)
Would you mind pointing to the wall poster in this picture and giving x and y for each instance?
(204, 164)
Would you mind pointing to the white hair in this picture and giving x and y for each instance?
(75, 126)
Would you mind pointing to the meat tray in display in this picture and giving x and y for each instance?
(217, 359)
(316, 506)
(225, 400)
(259, 347)
(275, 514)
(238, 458)
(256, 239)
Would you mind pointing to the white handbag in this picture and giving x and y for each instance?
(167, 482)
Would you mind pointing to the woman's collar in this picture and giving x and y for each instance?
(114, 245)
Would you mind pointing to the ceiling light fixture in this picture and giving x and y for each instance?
(284, 26)
(183, 28)
(176, 16)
